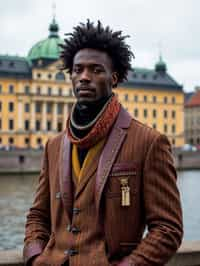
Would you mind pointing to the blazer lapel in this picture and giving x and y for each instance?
(66, 184)
(110, 152)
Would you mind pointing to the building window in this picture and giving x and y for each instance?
(165, 99)
(173, 99)
(154, 99)
(0, 140)
(60, 108)
(0, 88)
(60, 76)
(11, 124)
(38, 107)
(0, 106)
(37, 125)
(165, 113)
(154, 113)
(49, 76)
(165, 128)
(38, 75)
(145, 98)
(49, 108)
(11, 106)
(173, 141)
(11, 89)
(126, 97)
(27, 141)
(38, 90)
(0, 124)
(135, 98)
(191, 141)
(145, 113)
(11, 141)
(136, 112)
(173, 128)
(173, 114)
(49, 127)
(49, 91)
(26, 124)
(154, 126)
(59, 126)
(39, 142)
(27, 90)
(60, 92)
(27, 107)
(70, 92)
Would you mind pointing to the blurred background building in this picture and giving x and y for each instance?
(192, 119)
(36, 96)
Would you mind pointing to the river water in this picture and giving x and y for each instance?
(16, 195)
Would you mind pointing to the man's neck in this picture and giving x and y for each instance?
(85, 114)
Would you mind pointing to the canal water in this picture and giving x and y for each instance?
(16, 195)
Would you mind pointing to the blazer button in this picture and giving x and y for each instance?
(76, 211)
(69, 228)
(75, 230)
(58, 195)
(71, 252)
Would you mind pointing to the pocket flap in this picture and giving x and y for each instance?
(126, 168)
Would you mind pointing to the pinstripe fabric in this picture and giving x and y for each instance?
(91, 229)
(144, 157)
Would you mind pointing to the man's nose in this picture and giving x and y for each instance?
(85, 76)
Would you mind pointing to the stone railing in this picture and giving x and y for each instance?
(187, 255)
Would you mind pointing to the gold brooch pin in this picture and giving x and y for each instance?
(125, 192)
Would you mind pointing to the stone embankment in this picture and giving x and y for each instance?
(187, 160)
(29, 161)
(20, 161)
(187, 255)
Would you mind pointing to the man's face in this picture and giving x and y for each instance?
(92, 75)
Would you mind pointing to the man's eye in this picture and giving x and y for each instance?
(77, 70)
(97, 70)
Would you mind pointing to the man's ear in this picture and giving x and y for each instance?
(114, 79)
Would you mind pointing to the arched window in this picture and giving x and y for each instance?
(60, 76)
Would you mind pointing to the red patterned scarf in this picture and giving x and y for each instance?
(100, 128)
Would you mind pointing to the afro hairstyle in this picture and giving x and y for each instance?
(100, 38)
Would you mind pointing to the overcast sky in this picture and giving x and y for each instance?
(172, 26)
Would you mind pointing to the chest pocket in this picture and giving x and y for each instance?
(120, 173)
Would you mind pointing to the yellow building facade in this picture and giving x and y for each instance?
(32, 110)
(156, 108)
(36, 97)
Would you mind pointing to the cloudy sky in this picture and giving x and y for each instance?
(172, 27)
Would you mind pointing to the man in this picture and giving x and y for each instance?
(106, 177)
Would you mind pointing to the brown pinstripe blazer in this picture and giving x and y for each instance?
(134, 150)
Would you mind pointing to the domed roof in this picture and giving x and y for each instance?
(160, 66)
(48, 48)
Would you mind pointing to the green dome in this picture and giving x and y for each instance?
(160, 66)
(48, 48)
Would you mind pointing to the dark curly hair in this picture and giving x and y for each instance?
(97, 37)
